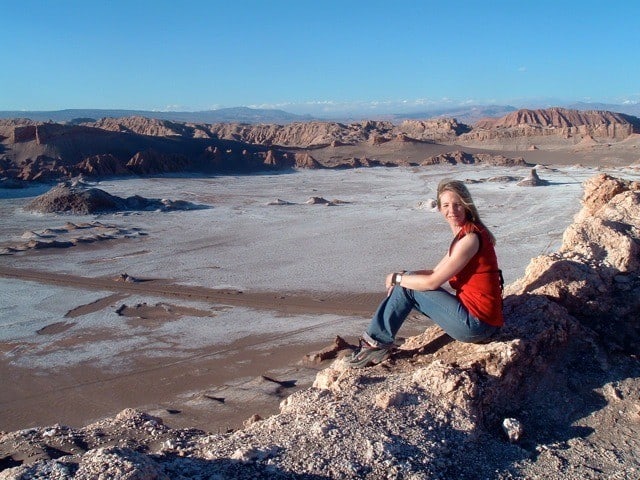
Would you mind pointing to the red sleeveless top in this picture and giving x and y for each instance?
(478, 285)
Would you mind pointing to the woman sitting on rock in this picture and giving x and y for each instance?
(470, 266)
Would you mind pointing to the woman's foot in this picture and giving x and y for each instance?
(366, 355)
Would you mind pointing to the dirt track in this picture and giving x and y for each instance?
(289, 302)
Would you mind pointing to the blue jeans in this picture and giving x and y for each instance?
(439, 305)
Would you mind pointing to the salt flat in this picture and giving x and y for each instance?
(75, 339)
(243, 242)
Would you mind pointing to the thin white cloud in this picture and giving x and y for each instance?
(175, 108)
(631, 99)
(380, 106)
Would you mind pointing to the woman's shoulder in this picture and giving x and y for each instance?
(481, 232)
(470, 227)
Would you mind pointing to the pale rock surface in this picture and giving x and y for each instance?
(595, 273)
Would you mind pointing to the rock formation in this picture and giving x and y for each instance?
(147, 126)
(36, 151)
(102, 165)
(558, 122)
(594, 275)
(436, 130)
(561, 118)
(302, 135)
(67, 198)
(151, 162)
(54, 152)
(67, 236)
(554, 395)
(459, 157)
(533, 180)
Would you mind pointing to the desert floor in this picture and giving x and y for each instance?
(230, 297)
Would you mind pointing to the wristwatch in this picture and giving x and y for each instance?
(396, 279)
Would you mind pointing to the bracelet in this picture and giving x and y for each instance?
(394, 279)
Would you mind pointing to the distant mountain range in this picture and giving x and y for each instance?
(467, 114)
(629, 109)
(138, 145)
(223, 115)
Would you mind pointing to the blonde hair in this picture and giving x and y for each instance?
(461, 190)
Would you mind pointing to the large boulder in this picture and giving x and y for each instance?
(594, 275)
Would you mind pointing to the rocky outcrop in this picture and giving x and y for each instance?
(300, 134)
(557, 122)
(594, 275)
(459, 157)
(54, 152)
(105, 165)
(24, 133)
(148, 126)
(436, 130)
(533, 180)
(43, 133)
(562, 375)
(558, 118)
(67, 236)
(140, 146)
(303, 135)
(305, 160)
(152, 162)
(8, 127)
(67, 198)
(320, 134)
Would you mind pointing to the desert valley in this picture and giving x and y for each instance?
(177, 297)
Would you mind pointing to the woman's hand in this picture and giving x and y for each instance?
(388, 282)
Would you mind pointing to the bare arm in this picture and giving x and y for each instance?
(428, 272)
(449, 266)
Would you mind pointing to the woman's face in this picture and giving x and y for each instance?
(452, 208)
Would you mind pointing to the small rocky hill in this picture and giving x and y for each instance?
(556, 395)
(84, 200)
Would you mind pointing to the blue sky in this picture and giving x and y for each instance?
(316, 56)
